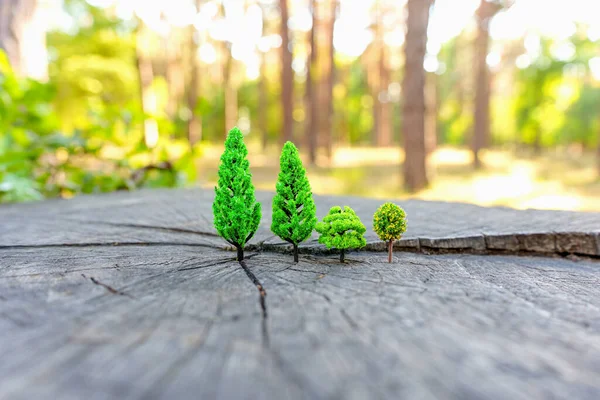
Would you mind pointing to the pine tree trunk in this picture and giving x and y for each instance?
(194, 125)
(263, 102)
(329, 82)
(310, 98)
(342, 255)
(481, 129)
(287, 75)
(390, 250)
(383, 119)
(23, 37)
(413, 111)
(295, 252)
(240, 253)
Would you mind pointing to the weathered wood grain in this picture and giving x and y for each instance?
(191, 326)
(131, 296)
(185, 216)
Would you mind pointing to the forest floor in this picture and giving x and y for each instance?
(554, 180)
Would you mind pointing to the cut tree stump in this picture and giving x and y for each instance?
(132, 295)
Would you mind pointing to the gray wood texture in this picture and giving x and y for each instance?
(131, 295)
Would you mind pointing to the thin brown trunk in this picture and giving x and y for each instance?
(390, 250)
(240, 253)
(194, 125)
(342, 255)
(310, 98)
(28, 57)
(287, 75)
(295, 252)
(481, 128)
(413, 110)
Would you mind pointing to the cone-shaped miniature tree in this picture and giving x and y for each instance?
(389, 223)
(236, 212)
(294, 215)
(342, 229)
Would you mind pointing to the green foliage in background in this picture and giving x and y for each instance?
(341, 229)
(294, 211)
(236, 211)
(39, 160)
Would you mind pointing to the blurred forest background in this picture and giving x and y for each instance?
(493, 102)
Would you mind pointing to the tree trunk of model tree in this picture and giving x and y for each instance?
(310, 96)
(287, 75)
(23, 37)
(194, 125)
(328, 80)
(481, 128)
(413, 85)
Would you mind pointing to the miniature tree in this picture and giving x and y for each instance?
(236, 212)
(389, 223)
(342, 229)
(294, 212)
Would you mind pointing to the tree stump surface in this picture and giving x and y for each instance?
(132, 295)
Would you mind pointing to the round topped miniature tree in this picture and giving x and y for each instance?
(342, 229)
(389, 223)
(236, 212)
(294, 215)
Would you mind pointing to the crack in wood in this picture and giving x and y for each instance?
(262, 300)
(107, 287)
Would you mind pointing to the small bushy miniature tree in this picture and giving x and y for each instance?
(236, 212)
(342, 229)
(294, 215)
(389, 223)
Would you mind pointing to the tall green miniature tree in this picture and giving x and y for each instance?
(342, 229)
(236, 212)
(389, 223)
(294, 212)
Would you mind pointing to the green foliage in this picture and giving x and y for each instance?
(37, 160)
(389, 222)
(294, 212)
(236, 212)
(341, 229)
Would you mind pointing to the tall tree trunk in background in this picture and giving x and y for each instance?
(383, 113)
(481, 128)
(598, 154)
(328, 81)
(174, 70)
(287, 75)
(194, 125)
(23, 37)
(146, 77)
(413, 85)
(263, 102)
(432, 111)
(310, 95)
(231, 98)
